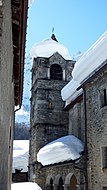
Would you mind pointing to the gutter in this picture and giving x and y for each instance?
(86, 149)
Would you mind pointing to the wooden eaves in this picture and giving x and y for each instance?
(19, 25)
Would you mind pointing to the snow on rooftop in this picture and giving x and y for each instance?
(94, 58)
(20, 155)
(69, 92)
(25, 186)
(91, 60)
(47, 48)
(63, 149)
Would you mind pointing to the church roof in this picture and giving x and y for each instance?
(63, 149)
(69, 92)
(93, 59)
(48, 47)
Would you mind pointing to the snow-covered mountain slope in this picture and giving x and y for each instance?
(20, 155)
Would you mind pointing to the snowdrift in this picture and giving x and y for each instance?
(25, 186)
(91, 60)
(69, 92)
(47, 48)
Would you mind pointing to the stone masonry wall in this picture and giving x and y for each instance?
(48, 120)
(76, 121)
(65, 172)
(96, 131)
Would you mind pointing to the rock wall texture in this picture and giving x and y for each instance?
(48, 120)
(96, 130)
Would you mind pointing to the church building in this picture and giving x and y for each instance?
(68, 129)
(51, 71)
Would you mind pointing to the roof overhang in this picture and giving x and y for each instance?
(19, 25)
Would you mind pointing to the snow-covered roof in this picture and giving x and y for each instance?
(63, 149)
(69, 92)
(20, 155)
(88, 64)
(91, 60)
(48, 47)
(25, 186)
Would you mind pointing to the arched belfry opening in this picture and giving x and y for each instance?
(56, 72)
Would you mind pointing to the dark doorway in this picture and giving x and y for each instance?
(61, 184)
(51, 184)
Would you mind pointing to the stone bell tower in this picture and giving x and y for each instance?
(51, 71)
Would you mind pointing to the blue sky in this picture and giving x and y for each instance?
(77, 23)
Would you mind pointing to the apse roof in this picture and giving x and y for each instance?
(63, 149)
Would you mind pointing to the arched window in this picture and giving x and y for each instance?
(56, 72)
(61, 184)
(51, 184)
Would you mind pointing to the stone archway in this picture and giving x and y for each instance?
(59, 185)
(70, 182)
(49, 183)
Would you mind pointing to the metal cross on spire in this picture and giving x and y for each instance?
(53, 30)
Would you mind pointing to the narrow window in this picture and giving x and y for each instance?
(32, 110)
(56, 72)
(51, 184)
(103, 97)
(61, 184)
(104, 157)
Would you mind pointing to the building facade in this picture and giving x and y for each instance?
(93, 82)
(11, 79)
(96, 109)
